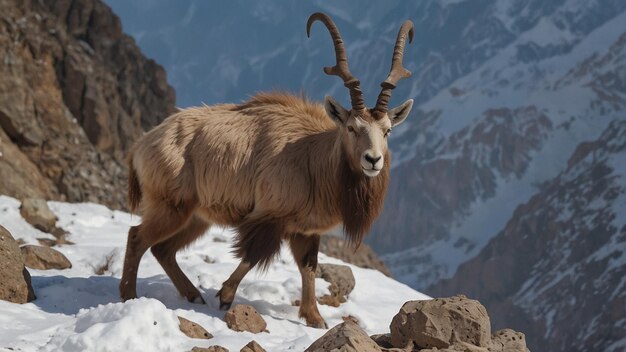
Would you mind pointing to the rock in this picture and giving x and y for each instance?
(363, 256)
(341, 283)
(331, 300)
(36, 212)
(345, 337)
(252, 346)
(215, 348)
(508, 340)
(15, 285)
(74, 95)
(440, 323)
(193, 330)
(44, 258)
(243, 317)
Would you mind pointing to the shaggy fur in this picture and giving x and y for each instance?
(275, 167)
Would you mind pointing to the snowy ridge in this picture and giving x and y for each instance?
(77, 310)
(558, 267)
(569, 92)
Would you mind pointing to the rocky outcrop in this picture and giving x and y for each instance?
(193, 330)
(15, 284)
(363, 256)
(243, 317)
(74, 95)
(556, 271)
(441, 324)
(44, 258)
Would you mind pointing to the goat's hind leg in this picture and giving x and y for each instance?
(157, 224)
(165, 253)
(305, 249)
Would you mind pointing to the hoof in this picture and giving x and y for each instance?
(321, 324)
(198, 300)
(225, 305)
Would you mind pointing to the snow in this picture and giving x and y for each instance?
(77, 310)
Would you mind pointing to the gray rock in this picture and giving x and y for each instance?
(341, 282)
(440, 323)
(252, 346)
(36, 212)
(243, 317)
(193, 330)
(44, 258)
(15, 285)
(345, 337)
(507, 340)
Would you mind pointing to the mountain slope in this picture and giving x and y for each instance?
(79, 309)
(521, 122)
(558, 268)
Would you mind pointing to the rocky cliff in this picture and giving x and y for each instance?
(75, 92)
(556, 270)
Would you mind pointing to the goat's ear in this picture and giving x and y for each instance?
(400, 113)
(336, 112)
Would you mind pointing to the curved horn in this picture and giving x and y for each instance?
(341, 67)
(397, 71)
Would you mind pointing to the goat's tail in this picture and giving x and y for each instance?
(134, 188)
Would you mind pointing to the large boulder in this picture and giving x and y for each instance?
(36, 212)
(44, 258)
(440, 323)
(243, 317)
(15, 284)
(345, 337)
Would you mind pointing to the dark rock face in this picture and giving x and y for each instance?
(556, 270)
(74, 95)
(15, 285)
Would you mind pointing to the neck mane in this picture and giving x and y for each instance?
(361, 198)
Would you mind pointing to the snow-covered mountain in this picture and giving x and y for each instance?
(79, 309)
(558, 267)
(488, 142)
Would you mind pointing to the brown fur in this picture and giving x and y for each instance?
(134, 189)
(361, 200)
(274, 166)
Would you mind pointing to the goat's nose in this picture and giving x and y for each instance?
(372, 159)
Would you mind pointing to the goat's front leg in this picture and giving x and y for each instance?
(227, 293)
(304, 249)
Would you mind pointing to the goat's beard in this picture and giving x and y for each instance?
(361, 199)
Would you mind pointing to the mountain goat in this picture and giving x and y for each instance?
(277, 167)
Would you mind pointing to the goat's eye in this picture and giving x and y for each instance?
(350, 129)
(387, 132)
